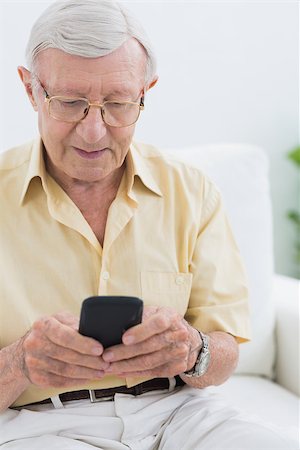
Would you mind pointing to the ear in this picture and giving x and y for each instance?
(25, 76)
(152, 83)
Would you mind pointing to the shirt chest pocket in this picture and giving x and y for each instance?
(167, 289)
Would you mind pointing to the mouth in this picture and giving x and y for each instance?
(86, 154)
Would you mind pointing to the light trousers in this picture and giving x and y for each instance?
(185, 419)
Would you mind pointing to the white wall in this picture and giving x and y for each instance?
(228, 73)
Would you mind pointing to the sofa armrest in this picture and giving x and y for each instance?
(286, 297)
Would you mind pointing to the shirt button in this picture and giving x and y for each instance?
(179, 280)
(105, 275)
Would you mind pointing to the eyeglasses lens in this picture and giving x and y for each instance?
(113, 113)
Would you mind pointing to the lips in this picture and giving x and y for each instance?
(86, 154)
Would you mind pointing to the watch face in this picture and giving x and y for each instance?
(203, 363)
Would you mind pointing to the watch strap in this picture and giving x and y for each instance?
(203, 359)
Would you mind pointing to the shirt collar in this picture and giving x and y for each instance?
(136, 165)
(36, 167)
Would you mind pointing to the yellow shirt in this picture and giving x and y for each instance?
(167, 241)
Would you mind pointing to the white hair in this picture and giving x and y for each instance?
(88, 28)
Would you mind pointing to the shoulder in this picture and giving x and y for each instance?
(15, 157)
(14, 165)
(170, 172)
(159, 161)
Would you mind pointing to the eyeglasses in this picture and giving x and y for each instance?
(114, 113)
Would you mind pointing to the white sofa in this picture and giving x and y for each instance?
(266, 382)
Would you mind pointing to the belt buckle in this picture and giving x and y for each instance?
(94, 399)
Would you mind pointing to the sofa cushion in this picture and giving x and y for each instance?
(241, 173)
(263, 399)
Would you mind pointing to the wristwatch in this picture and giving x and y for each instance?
(203, 359)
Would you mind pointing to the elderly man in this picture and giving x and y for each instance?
(88, 212)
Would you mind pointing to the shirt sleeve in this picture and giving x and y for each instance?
(219, 294)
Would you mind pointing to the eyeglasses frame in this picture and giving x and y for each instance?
(48, 99)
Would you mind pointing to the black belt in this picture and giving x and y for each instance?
(96, 395)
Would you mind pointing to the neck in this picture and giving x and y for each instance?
(81, 191)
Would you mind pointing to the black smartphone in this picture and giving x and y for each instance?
(106, 318)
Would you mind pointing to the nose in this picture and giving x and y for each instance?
(92, 128)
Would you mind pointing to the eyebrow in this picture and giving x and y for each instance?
(121, 93)
(118, 93)
(69, 91)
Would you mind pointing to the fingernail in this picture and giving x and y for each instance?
(97, 351)
(108, 356)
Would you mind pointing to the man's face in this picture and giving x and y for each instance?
(88, 150)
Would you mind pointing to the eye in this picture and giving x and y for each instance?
(115, 104)
(70, 102)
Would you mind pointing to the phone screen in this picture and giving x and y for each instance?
(106, 318)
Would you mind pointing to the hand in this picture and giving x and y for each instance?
(163, 345)
(54, 354)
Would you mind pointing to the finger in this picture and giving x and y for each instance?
(156, 324)
(53, 366)
(72, 357)
(163, 371)
(151, 360)
(46, 380)
(154, 343)
(67, 337)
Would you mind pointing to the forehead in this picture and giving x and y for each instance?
(121, 71)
